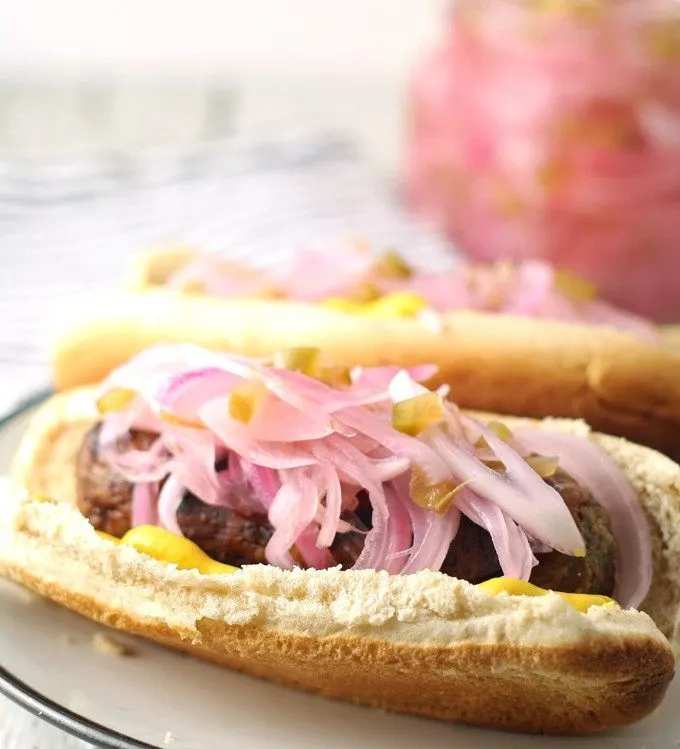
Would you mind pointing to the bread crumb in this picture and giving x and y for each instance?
(169, 739)
(106, 644)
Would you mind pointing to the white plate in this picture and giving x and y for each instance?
(161, 699)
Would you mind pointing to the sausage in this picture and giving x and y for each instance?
(230, 537)
(224, 535)
(596, 571)
(473, 557)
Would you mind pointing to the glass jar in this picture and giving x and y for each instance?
(551, 129)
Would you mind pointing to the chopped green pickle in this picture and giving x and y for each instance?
(435, 497)
(391, 265)
(414, 415)
(544, 465)
(574, 287)
(365, 292)
(336, 376)
(245, 401)
(303, 359)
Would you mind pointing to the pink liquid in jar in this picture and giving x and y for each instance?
(551, 129)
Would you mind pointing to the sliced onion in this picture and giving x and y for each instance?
(237, 437)
(293, 509)
(329, 398)
(416, 451)
(313, 556)
(169, 500)
(265, 483)
(153, 464)
(389, 467)
(433, 534)
(144, 503)
(146, 371)
(333, 495)
(355, 465)
(195, 456)
(183, 393)
(400, 532)
(590, 465)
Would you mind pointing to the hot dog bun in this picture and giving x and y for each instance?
(499, 363)
(154, 267)
(424, 644)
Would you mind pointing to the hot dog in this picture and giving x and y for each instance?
(523, 340)
(294, 519)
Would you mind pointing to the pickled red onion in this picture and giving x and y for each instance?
(293, 509)
(400, 530)
(265, 483)
(144, 501)
(432, 537)
(169, 500)
(304, 475)
(331, 520)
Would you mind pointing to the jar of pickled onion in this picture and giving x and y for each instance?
(551, 129)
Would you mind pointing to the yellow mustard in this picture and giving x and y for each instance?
(169, 547)
(116, 399)
(580, 601)
(390, 306)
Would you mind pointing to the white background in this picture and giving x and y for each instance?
(373, 39)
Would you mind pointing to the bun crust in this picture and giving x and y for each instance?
(423, 644)
(500, 363)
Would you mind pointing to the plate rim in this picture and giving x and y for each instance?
(23, 695)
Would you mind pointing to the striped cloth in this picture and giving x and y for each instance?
(67, 229)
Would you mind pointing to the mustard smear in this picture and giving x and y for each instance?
(580, 601)
(397, 305)
(168, 547)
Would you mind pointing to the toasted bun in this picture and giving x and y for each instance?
(424, 644)
(498, 363)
